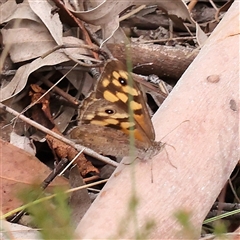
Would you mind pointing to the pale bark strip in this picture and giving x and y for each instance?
(206, 148)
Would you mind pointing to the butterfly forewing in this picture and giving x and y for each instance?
(115, 87)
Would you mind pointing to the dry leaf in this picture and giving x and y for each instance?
(79, 200)
(106, 14)
(65, 151)
(22, 142)
(11, 10)
(36, 93)
(20, 169)
(17, 231)
(29, 41)
(43, 9)
(20, 79)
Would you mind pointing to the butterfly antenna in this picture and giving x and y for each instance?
(173, 130)
(170, 144)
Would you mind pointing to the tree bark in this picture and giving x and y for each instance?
(199, 122)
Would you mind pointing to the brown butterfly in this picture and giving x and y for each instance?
(105, 121)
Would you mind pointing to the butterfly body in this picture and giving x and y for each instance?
(117, 107)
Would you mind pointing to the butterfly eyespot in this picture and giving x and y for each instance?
(122, 81)
(109, 111)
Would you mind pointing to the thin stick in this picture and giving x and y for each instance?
(44, 94)
(58, 90)
(79, 23)
(50, 197)
(70, 163)
(45, 183)
(192, 4)
(168, 39)
(78, 147)
(133, 12)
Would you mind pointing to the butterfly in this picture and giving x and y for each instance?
(114, 111)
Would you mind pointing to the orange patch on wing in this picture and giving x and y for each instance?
(122, 96)
(130, 90)
(111, 121)
(110, 96)
(136, 133)
(123, 74)
(99, 123)
(135, 105)
(141, 121)
(105, 82)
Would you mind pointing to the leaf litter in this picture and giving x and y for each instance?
(41, 37)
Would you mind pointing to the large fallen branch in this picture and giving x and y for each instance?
(168, 63)
(204, 153)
